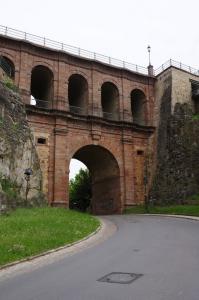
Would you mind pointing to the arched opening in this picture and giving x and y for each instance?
(110, 101)
(8, 66)
(78, 94)
(138, 104)
(80, 192)
(105, 179)
(42, 86)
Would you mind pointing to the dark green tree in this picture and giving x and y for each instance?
(80, 191)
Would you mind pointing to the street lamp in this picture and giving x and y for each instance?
(28, 172)
(149, 51)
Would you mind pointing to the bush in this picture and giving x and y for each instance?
(80, 191)
(8, 82)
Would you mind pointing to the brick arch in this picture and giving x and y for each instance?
(86, 142)
(110, 100)
(137, 87)
(78, 72)
(111, 80)
(78, 94)
(8, 55)
(44, 64)
(105, 175)
(11, 62)
(138, 106)
(42, 85)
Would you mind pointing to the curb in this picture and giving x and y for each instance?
(194, 218)
(30, 258)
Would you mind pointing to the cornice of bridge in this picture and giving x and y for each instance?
(89, 119)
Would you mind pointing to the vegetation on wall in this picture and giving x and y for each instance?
(8, 82)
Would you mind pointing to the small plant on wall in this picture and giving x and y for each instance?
(8, 82)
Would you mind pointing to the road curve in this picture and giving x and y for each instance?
(164, 250)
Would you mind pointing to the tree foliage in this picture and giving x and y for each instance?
(80, 191)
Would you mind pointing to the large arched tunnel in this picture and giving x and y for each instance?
(105, 176)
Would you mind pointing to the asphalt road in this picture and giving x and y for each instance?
(164, 250)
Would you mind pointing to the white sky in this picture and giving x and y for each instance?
(75, 166)
(120, 29)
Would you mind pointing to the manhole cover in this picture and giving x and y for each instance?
(120, 277)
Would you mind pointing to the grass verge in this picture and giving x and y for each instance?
(190, 210)
(27, 232)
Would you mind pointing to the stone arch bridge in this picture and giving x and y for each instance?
(89, 110)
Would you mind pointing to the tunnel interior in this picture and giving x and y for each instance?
(110, 101)
(78, 93)
(138, 100)
(42, 86)
(105, 178)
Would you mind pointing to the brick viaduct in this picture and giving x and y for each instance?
(80, 108)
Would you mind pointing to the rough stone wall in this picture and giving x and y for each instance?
(177, 174)
(17, 150)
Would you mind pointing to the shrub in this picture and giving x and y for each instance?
(8, 82)
(80, 191)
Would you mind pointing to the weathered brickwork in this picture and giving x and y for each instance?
(113, 150)
(107, 118)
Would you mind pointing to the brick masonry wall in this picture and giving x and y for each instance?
(65, 133)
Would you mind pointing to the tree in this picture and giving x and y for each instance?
(80, 191)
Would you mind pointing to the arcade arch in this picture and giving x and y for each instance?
(78, 94)
(42, 86)
(105, 178)
(110, 101)
(8, 66)
(138, 106)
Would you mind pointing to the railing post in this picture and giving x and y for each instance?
(44, 41)
(6, 30)
(94, 56)
(79, 51)
(25, 35)
(62, 46)
(109, 60)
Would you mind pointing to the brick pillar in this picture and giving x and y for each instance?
(24, 76)
(61, 88)
(60, 168)
(128, 188)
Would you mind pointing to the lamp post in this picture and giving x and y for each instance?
(28, 172)
(150, 67)
(145, 188)
(149, 51)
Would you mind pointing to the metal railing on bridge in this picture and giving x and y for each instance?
(42, 41)
(176, 64)
(79, 111)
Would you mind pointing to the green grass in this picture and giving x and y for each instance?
(190, 210)
(27, 232)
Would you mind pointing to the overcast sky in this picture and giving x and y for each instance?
(120, 29)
